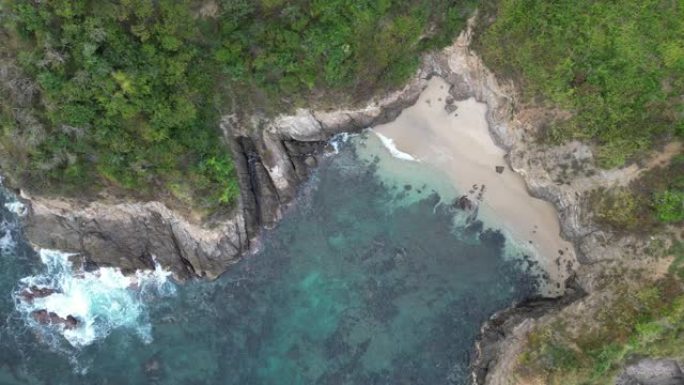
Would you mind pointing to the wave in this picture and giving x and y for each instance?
(86, 306)
(392, 148)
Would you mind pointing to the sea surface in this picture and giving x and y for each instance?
(372, 277)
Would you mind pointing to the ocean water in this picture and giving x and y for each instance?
(372, 277)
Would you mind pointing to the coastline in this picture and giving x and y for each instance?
(453, 137)
(273, 161)
(273, 156)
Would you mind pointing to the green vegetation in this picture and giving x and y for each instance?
(618, 66)
(129, 92)
(619, 208)
(656, 198)
(124, 101)
(670, 205)
(646, 322)
(677, 266)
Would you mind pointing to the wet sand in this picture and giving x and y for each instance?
(459, 144)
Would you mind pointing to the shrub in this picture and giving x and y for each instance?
(669, 206)
(617, 66)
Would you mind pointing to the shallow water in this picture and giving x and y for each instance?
(365, 281)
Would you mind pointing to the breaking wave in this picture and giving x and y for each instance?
(392, 148)
(86, 306)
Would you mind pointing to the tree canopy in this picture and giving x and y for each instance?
(129, 92)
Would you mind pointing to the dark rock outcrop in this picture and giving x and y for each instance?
(134, 236)
(34, 292)
(45, 317)
(500, 326)
(272, 158)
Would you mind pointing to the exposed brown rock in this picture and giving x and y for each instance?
(33, 292)
(50, 318)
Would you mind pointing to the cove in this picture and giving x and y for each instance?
(372, 277)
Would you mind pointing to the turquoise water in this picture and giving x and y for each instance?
(365, 281)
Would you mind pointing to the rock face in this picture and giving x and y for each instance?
(134, 236)
(272, 158)
(652, 372)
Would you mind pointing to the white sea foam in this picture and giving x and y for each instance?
(16, 207)
(339, 139)
(392, 148)
(7, 242)
(101, 300)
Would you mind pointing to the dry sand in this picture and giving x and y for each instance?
(459, 144)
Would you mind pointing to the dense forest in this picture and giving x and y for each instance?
(127, 94)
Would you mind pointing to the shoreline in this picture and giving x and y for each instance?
(454, 138)
(274, 161)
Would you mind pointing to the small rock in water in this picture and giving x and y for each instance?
(36, 292)
(71, 322)
(464, 203)
(500, 169)
(50, 318)
(480, 195)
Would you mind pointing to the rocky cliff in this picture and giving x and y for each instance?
(274, 156)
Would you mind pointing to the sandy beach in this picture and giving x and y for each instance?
(459, 144)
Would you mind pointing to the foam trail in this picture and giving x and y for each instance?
(100, 301)
(392, 148)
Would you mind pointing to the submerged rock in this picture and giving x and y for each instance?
(464, 203)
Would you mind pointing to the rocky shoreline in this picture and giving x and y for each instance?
(501, 325)
(274, 156)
